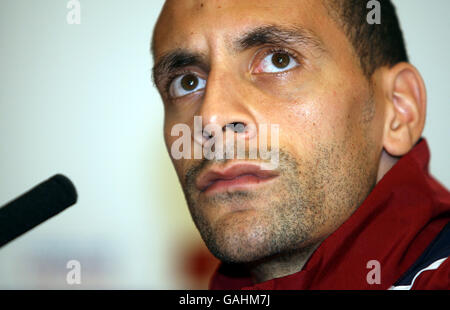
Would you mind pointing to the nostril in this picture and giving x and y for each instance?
(207, 135)
(237, 127)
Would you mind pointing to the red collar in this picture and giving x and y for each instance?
(394, 225)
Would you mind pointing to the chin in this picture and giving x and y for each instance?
(240, 242)
(238, 255)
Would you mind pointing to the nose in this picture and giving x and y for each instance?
(225, 108)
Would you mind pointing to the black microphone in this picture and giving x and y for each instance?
(36, 206)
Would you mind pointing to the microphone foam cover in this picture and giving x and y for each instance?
(35, 206)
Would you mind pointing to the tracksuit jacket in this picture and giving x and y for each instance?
(399, 238)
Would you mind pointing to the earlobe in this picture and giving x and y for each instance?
(405, 97)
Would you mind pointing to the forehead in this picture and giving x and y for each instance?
(201, 24)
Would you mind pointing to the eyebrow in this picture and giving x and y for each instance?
(176, 59)
(262, 35)
(276, 35)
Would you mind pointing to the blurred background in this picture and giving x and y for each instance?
(78, 100)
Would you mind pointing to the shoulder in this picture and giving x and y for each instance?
(432, 270)
(436, 277)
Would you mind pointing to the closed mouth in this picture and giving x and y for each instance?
(241, 176)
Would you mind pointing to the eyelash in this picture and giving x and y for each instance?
(269, 51)
(172, 78)
(274, 50)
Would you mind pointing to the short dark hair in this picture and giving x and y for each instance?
(376, 45)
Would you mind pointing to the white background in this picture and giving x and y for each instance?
(78, 100)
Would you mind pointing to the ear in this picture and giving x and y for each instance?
(405, 109)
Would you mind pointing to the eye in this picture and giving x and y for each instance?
(276, 62)
(186, 84)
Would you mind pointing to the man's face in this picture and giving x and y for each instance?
(268, 62)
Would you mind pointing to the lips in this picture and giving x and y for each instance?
(235, 177)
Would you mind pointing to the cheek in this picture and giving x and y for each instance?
(284, 88)
(306, 109)
(321, 119)
(306, 121)
(169, 140)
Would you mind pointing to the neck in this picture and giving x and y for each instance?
(386, 163)
(280, 265)
(288, 263)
